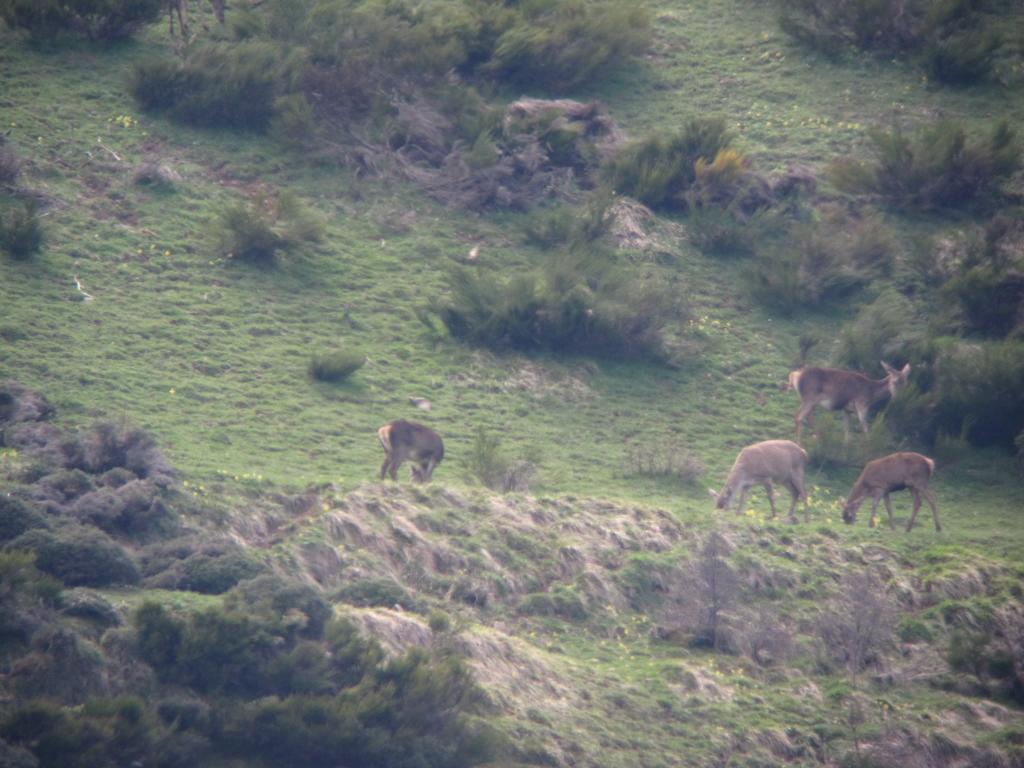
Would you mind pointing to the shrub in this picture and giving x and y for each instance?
(579, 302)
(488, 464)
(16, 517)
(104, 20)
(376, 592)
(105, 446)
(335, 367)
(726, 231)
(856, 626)
(960, 45)
(10, 164)
(134, 510)
(258, 232)
(21, 229)
(664, 460)
(295, 608)
(561, 601)
(829, 27)
(79, 556)
(561, 45)
(660, 170)
(940, 168)
(886, 329)
(216, 575)
(233, 85)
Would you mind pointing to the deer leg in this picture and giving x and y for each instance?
(846, 426)
(916, 506)
(862, 414)
(930, 498)
(770, 490)
(742, 501)
(794, 491)
(874, 510)
(888, 508)
(385, 466)
(806, 413)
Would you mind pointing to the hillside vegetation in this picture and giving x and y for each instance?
(586, 242)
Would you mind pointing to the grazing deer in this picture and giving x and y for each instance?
(406, 440)
(839, 390)
(761, 463)
(895, 472)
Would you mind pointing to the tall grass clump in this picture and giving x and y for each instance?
(21, 229)
(99, 20)
(220, 84)
(578, 302)
(822, 261)
(940, 167)
(660, 170)
(334, 367)
(256, 233)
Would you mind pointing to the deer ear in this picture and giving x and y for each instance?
(888, 368)
(906, 370)
(713, 493)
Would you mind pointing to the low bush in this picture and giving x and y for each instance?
(78, 556)
(562, 45)
(10, 164)
(659, 171)
(101, 20)
(856, 627)
(219, 84)
(664, 460)
(105, 446)
(830, 27)
(21, 229)
(579, 302)
(561, 601)
(491, 466)
(940, 168)
(295, 608)
(16, 517)
(822, 261)
(726, 231)
(335, 367)
(888, 328)
(384, 593)
(258, 232)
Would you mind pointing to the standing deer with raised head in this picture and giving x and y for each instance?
(761, 463)
(839, 390)
(406, 440)
(895, 472)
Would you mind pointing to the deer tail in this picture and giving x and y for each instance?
(794, 380)
(931, 466)
(384, 435)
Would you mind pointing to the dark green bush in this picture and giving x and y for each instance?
(295, 608)
(10, 164)
(258, 232)
(21, 229)
(886, 329)
(216, 575)
(16, 517)
(579, 302)
(79, 556)
(103, 20)
(939, 168)
(562, 44)
(234, 85)
(830, 27)
(960, 43)
(726, 231)
(560, 601)
(659, 171)
(337, 366)
(105, 446)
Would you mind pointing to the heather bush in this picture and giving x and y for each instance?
(830, 27)
(941, 167)
(78, 556)
(219, 84)
(16, 517)
(295, 608)
(105, 446)
(660, 170)
(857, 625)
(382, 592)
(561, 601)
(886, 329)
(21, 229)
(10, 164)
(101, 20)
(258, 232)
(578, 302)
(334, 367)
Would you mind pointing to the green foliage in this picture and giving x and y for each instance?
(256, 233)
(823, 261)
(22, 583)
(939, 168)
(385, 593)
(101, 20)
(911, 629)
(562, 44)
(726, 231)
(16, 517)
(79, 556)
(213, 575)
(233, 85)
(561, 601)
(579, 302)
(21, 229)
(659, 171)
(961, 44)
(886, 329)
(336, 366)
(829, 26)
(296, 609)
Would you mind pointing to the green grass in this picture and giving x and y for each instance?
(211, 356)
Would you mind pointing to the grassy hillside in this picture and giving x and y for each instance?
(574, 604)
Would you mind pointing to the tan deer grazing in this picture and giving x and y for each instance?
(895, 472)
(839, 390)
(761, 463)
(406, 440)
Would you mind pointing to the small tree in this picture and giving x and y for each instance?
(858, 623)
(717, 588)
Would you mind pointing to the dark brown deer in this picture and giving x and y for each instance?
(406, 440)
(895, 472)
(839, 390)
(760, 464)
